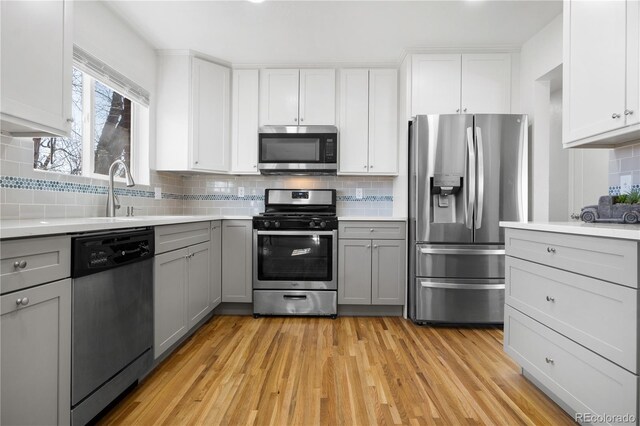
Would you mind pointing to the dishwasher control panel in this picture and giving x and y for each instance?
(99, 252)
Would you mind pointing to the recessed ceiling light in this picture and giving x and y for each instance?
(256, 1)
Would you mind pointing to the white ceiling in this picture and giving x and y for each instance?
(292, 32)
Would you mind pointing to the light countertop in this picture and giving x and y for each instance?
(374, 218)
(20, 228)
(608, 230)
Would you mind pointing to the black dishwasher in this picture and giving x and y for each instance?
(112, 317)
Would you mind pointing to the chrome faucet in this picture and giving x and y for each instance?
(112, 200)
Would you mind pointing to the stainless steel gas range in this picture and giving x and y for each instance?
(295, 249)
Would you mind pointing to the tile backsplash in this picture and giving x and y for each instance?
(624, 165)
(26, 193)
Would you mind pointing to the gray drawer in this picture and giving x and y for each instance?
(173, 237)
(296, 302)
(33, 261)
(372, 230)
(608, 259)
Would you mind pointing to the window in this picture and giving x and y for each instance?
(100, 133)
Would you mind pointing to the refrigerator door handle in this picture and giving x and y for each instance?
(480, 190)
(470, 251)
(459, 286)
(471, 180)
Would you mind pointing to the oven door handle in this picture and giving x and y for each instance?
(302, 233)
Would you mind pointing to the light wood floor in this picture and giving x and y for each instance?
(349, 371)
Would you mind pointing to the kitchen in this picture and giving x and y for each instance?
(200, 202)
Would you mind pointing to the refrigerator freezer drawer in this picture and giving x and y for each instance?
(295, 302)
(460, 261)
(459, 301)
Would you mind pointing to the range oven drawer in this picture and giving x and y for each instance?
(295, 302)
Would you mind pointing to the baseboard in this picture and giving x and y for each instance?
(370, 310)
(228, 308)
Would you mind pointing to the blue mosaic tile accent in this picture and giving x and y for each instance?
(365, 198)
(616, 189)
(221, 197)
(15, 182)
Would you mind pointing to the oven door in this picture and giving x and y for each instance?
(295, 260)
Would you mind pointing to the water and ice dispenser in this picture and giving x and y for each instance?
(445, 190)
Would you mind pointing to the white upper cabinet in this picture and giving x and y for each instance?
(369, 121)
(193, 123)
(290, 97)
(601, 75)
(461, 83)
(354, 121)
(317, 97)
(279, 97)
(244, 126)
(210, 108)
(435, 84)
(35, 75)
(486, 83)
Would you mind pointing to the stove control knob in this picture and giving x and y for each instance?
(266, 223)
(312, 224)
(277, 224)
(323, 224)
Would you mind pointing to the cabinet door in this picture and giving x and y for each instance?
(354, 272)
(169, 299)
(35, 75)
(317, 97)
(199, 282)
(594, 68)
(216, 263)
(354, 120)
(279, 97)
(244, 131)
(486, 83)
(435, 84)
(210, 120)
(35, 358)
(388, 276)
(383, 122)
(236, 261)
(633, 63)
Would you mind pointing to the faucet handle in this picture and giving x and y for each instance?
(116, 201)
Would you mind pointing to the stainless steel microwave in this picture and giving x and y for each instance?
(299, 150)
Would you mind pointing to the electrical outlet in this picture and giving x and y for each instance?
(625, 183)
(157, 193)
(241, 191)
(359, 193)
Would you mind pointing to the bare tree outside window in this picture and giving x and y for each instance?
(112, 129)
(63, 155)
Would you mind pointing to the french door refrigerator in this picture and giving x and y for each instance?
(466, 174)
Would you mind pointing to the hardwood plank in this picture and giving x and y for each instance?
(349, 371)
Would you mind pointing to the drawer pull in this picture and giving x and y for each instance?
(20, 265)
(551, 250)
(549, 360)
(371, 230)
(294, 297)
(24, 301)
(551, 299)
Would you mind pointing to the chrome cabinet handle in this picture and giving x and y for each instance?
(295, 119)
(371, 230)
(464, 110)
(70, 120)
(551, 250)
(196, 162)
(375, 246)
(371, 166)
(23, 301)
(254, 166)
(458, 110)
(302, 119)
(615, 115)
(368, 245)
(628, 112)
(20, 265)
(365, 166)
(549, 360)
(551, 299)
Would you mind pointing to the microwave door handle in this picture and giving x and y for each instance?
(471, 180)
(480, 190)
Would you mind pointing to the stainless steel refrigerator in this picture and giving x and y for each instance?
(466, 174)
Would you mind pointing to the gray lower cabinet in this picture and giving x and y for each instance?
(236, 261)
(182, 288)
(36, 355)
(216, 263)
(371, 272)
